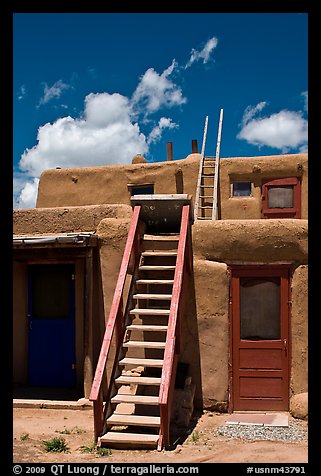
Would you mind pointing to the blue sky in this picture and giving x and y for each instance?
(97, 88)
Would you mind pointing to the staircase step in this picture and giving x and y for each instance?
(153, 296)
(161, 237)
(144, 344)
(136, 399)
(114, 437)
(150, 312)
(145, 327)
(126, 380)
(155, 281)
(159, 253)
(156, 268)
(141, 362)
(141, 420)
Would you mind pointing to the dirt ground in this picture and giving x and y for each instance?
(33, 425)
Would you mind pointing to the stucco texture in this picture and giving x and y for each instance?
(65, 219)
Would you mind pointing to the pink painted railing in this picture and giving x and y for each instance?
(172, 347)
(115, 325)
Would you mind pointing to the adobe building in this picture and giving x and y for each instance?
(244, 326)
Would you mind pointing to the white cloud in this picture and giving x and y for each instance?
(108, 131)
(52, 92)
(284, 130)
(156, 133)
(157, 90)
(203, 54)
(305, 95)
(250, 112)
(104, 136)
(27, 193)
(22, 92)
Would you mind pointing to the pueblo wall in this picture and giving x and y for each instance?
(218, 244)
(255, 170)
(109, 184)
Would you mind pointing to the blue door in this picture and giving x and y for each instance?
(51, 311)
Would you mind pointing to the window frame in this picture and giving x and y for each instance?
(241, 181)
(291, 212)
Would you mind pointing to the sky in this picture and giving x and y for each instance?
(94, 89)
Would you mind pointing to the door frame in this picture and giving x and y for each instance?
(281, 269)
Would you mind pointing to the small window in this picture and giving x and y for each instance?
(143, 189)
(281, 198)
(241, 189)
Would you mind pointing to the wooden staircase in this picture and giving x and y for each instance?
(137, 406)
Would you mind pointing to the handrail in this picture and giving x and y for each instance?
(115, 321)
(173, 334)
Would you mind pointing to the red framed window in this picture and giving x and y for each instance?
(281, 198)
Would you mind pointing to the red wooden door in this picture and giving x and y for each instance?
(260, 338)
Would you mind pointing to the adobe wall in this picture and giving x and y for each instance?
(256, 169)
(109, 184)
(65, 219)
(248, 241)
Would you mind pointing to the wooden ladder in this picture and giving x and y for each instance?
(133, 413)
(206, 197)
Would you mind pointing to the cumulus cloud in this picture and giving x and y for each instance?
(105, 135)
(155, 91)
(306, 100)
(108, 131)
(156, 133)
(285, 130)
(203, 54)
(53, 92)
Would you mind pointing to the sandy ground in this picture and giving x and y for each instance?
(31, 426)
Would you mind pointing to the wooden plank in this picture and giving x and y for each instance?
(146, 327)
(161, 237)
(140, 420)
(150, 312)
(129, 438)
(153, 296)
(141, 362)
(144, 344)
(156, 268)
(126, 380)
(215, 195)
(154, 281)
(136, 399)
(159, 253)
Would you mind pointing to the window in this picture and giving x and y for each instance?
(141, 189)
(281, 198)
(241, 189)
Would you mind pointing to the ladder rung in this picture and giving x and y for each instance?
(136, 399)
(146, 327)
(150, 312)
(144, 344)
(207, 186)
(125, 380)
(159, 253)
(141, 362)
(156, 268)
(204, 218)
(117, 437)
(153, 296)
(155, 281)
(118, 419)
(206, 196)
(207, 207)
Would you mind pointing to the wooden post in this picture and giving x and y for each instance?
(169, 150)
